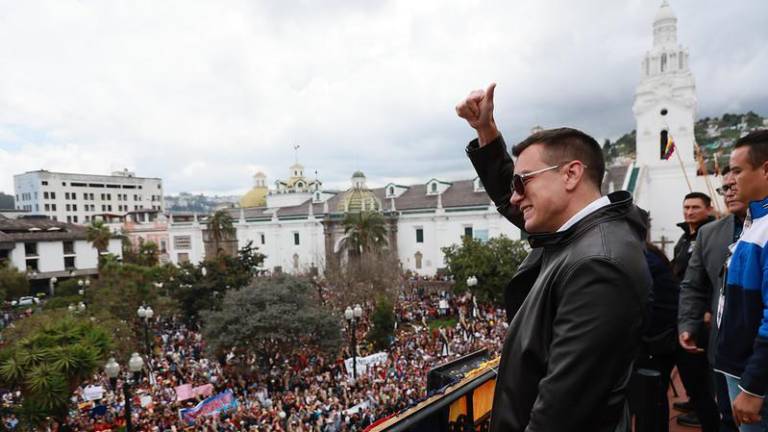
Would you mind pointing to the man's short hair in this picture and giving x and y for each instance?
(565, 145)
(725, 171)
(699, 195)
(757, 141)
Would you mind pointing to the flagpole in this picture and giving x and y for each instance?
(682, 167)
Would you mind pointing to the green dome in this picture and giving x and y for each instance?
(358, 200)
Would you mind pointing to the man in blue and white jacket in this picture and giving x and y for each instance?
(742, 349)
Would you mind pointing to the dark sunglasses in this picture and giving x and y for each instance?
(519, 180)
(722, 190)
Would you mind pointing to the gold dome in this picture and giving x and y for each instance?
(256, 197)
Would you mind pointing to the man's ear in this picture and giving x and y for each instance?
(574, 173)
(764, 169)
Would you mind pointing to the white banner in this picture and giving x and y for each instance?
(93, 393)
(364, 362)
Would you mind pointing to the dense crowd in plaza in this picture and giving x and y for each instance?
(297, 391)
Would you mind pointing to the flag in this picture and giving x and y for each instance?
(667, 145)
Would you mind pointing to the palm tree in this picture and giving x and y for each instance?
(220, 227)
(364, 232)
(48, 364)
(99, 235)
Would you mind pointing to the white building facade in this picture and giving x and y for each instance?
(77, 198)
(421, 219)
(47, 249)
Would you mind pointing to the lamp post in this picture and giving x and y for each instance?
(83, 284)
(52, 285)
(80, 307)
(112, 369)
(353, 315)
(472, 283)
(145, 313)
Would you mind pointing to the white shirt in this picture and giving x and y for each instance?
(581, 214)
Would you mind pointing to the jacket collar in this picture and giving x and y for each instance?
(687, 230)
(758, 209)
(620, 207)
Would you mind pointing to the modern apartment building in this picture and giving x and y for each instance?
(77, 198)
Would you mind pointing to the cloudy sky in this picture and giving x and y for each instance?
(204, 93)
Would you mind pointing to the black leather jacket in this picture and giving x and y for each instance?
(567, 357)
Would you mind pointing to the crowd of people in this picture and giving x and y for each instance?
(297, 391)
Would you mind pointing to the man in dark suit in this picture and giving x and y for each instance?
(693, 367)
(701, 285)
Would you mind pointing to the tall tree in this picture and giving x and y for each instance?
(13, 283)
(273, 314)
(220, 227)
(493, 263)
(365, 232)
(98, 234)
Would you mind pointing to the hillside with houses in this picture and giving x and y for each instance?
(714, 135)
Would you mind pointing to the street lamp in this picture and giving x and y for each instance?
(80, 307)
(145, 313)
(112, 369)
(83, 284)
(353, 315)
(52, 284)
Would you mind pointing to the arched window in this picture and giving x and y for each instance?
(663, 61)
(434, 187)
(391, 190)
(418, 256)
(295, 261)
(680, 59)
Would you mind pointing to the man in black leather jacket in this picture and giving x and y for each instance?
(567, 357)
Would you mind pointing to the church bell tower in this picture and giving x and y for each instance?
(665, 98)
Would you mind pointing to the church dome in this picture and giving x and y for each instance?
(358, 174)
(356, 200)
(256, 197)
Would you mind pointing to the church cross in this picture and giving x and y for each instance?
(662, 243)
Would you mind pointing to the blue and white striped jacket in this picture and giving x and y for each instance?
(742, 347)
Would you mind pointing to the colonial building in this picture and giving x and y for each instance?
(302, 228)
(48, 249)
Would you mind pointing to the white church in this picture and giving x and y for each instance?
(297, 224)
(665, 100)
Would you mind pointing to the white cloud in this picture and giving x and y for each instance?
(203, 93)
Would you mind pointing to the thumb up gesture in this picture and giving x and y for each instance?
(477, 110)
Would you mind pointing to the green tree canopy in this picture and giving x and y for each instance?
(273, 314)
(365, 232)
(50, 359)
(98, 234)
(383, 319)
(202, 287)
(13, 283)
(493, 263)
(220, 226)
